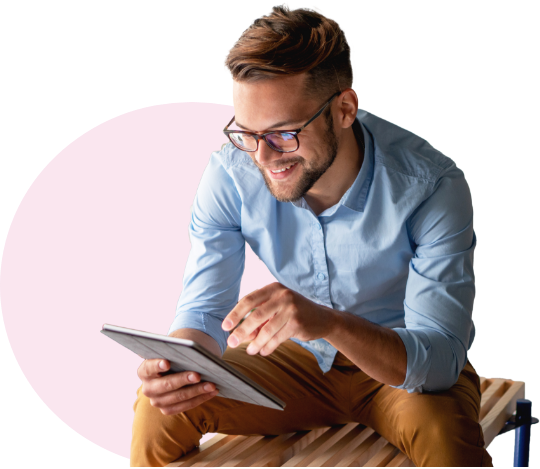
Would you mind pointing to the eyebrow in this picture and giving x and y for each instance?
(277, 124)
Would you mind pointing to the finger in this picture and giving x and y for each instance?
(251, 336)
(233, 319)
(190, 404)
(256, 319)
(246, 304)
(256, 331)
(283, 334)
(276, 324)
(183, 394)
(150, 369)
(251, 327)
(166, 384)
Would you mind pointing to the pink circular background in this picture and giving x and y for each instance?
(102, 237)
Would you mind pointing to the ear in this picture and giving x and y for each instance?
(347, 104)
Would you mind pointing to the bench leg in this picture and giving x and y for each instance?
(523, 433)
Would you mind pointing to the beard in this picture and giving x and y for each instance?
(310, 173)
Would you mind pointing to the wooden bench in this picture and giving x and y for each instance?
(343, 445)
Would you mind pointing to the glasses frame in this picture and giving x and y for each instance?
(262, 136)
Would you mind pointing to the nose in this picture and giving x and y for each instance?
(266, 155)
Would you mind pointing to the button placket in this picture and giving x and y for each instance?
(321, 283)
(322, 349)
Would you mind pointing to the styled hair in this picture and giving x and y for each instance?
(287, 43)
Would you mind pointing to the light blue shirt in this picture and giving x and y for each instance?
(397, 249)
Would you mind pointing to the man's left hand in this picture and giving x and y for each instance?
(277, 314)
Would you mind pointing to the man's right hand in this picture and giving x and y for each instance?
(174, 393)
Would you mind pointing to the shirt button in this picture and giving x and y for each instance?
(321, 276)
(318, 226)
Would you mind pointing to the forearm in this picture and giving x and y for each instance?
(376, 350)
(200, 337)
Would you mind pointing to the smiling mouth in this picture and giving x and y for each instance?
(276, 171)
(283, 173)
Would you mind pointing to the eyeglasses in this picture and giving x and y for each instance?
(284, 141)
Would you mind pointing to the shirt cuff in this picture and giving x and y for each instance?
(418, 358)
(434, 360)
(203, 322)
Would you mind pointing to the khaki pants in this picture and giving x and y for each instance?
(432, 429)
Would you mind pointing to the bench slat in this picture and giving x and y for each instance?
(494, 421)
(320, 445)
(230, 453)
(383, 456)
(360, 455)
(343, 447)
(491, 395)
(287, 449)
(400, 460)
(237, 460)
(346, 445)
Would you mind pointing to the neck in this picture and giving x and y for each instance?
(328, 193)
(330, 188)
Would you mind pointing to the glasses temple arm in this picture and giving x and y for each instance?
(232, 120)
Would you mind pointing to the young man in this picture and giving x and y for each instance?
(368, 230)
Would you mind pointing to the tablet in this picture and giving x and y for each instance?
(186, 355)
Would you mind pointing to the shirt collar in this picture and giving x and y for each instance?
(356, 195)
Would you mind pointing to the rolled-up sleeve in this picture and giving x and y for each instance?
(440, 288)
(215, 265)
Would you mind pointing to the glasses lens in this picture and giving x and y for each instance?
(282, 141)
(244, 141)
(279, 141)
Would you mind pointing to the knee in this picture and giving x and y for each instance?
(436, 420)
(440, 435)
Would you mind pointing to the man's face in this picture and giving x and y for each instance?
(281, 104)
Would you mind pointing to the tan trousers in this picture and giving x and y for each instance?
(432, 429)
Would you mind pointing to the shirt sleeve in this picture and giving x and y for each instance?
(440, 288)
(215, 265)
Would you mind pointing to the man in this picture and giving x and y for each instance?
(368, 230)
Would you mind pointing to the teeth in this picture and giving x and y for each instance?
(281, 170)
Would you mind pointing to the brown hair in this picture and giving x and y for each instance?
(292, 42)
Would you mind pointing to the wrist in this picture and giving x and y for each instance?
(336, 324)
